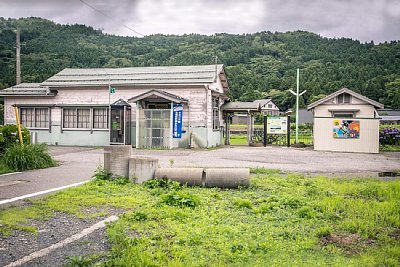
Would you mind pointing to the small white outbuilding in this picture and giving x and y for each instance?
(346, 121)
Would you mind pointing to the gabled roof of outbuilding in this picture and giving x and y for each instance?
(166, 75)
(341, 91)
(240, 106)
(27, 89)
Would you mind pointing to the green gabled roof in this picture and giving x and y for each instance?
(27, 89)
(167, 75)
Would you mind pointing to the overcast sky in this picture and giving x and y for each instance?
(364, 20)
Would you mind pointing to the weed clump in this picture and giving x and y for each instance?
(163, 183)
(243, 203)
(28, 157)
(78, 261)
(180, 199)
(102, 175)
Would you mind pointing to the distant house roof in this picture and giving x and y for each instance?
(390, 118)
(241, 106)
(166, 75)
(348, 91)
(27, 89)
(263, 102)
(389, 112)
(305, 116)
(158, 94)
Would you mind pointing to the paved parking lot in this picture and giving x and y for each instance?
(282, 158)
(78, 164)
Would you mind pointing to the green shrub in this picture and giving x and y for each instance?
(9, 136)
(27, 157)
(180, 199)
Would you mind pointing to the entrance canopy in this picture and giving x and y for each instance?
(158, 96)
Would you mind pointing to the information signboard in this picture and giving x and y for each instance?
(177, 121)
(277, 125)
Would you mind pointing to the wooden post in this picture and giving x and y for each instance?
(227, 130)
(288, 130)
(21, 141)
(265, 130)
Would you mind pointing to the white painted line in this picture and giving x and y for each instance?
(41, 192)
(9, 173)
(73, 238)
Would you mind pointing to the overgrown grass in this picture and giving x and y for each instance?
(238, 140)
(3, 169)
(389, 148)
(27, 157)
(285, 220)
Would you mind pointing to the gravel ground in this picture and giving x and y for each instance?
(78, 164)
(51, 231)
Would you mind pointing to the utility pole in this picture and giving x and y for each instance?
(297, 105)
(18, 81)
(18, 59)
(216, 68)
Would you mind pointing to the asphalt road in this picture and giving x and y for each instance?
(78, 164)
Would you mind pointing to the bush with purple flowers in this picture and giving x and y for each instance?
(389, 136)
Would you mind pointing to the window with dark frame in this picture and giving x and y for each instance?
(84, 118)
(78, 118)
(215, 110)
(100, 118)
(344, 98)
(343, 115)
(34, 117)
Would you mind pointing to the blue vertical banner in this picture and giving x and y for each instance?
(177, 121)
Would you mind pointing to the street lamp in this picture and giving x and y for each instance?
(297, 94)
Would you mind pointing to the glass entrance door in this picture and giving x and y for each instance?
(117, 134)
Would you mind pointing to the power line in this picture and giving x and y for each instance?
(105, 14)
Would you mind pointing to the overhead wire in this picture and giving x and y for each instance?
(109, 17)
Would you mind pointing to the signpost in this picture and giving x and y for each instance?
(177, 121)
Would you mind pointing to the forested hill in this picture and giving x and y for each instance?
(258, 65)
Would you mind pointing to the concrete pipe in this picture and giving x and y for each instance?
(116, 159)
(227, 178)
(189, 176)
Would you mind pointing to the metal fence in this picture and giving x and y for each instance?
(154, 128)
(305, 137)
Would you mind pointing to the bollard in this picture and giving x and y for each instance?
(116, 159)
(142, 169)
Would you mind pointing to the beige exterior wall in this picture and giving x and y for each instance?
(367, 143)
(365, 110)
(86, 96)
(199, 109)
